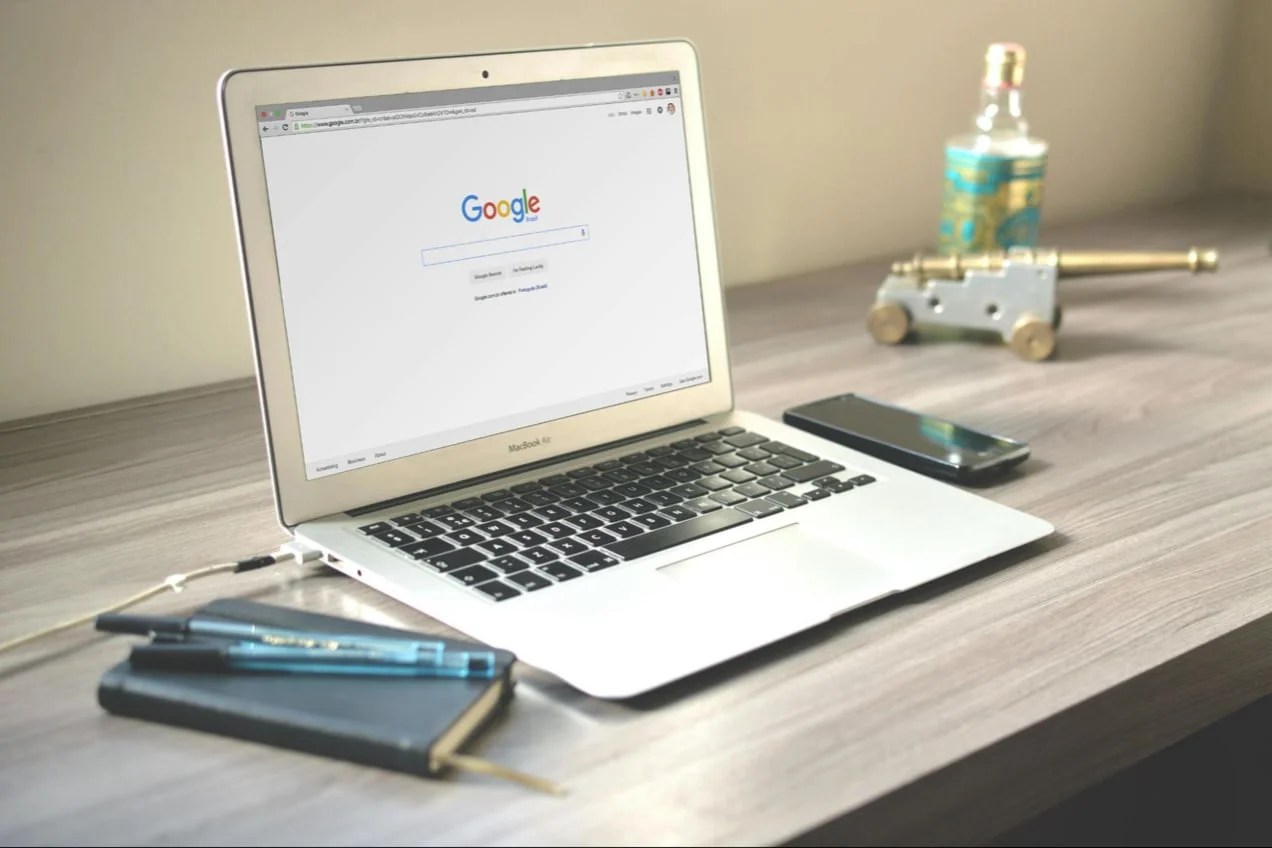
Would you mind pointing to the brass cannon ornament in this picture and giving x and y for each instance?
(1011, 293)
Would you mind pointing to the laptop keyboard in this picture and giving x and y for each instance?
(508, 542)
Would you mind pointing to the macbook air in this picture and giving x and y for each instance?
(485, 298)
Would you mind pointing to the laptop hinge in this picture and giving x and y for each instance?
(519, 469)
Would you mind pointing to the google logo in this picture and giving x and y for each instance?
(474, 210)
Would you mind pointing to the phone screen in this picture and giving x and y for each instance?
(926, 435)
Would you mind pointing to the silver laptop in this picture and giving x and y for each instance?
(490, 341)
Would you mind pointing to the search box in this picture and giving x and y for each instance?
(506, 244)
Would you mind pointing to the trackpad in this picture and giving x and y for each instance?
(786, 567)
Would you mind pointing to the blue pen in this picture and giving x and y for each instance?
(146, 625)
(257, 657)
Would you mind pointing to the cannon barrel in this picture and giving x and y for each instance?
(1070, 263)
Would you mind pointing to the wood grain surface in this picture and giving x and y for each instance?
(943, 715)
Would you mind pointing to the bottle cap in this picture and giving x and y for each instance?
(1004, 65)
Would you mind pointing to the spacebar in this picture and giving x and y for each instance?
(676, 534)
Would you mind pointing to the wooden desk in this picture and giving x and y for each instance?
(947, 714)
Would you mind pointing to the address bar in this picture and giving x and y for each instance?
(440, 113)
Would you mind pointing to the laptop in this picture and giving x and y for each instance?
(485, 299)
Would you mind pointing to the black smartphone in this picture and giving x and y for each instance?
(922, 443)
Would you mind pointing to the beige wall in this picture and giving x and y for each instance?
(1242, 158)
(118, 274)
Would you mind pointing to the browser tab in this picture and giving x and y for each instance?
(320, 111)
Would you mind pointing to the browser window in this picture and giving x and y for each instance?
(459, 264)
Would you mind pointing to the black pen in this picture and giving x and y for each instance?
(147, 625)
(254, 656)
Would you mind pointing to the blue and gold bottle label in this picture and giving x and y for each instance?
(991, 202)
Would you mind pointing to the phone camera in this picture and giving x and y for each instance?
(485, 74)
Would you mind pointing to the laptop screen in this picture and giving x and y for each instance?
(457, 264)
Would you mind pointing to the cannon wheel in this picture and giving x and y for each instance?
(889, 323)
(1032, 339)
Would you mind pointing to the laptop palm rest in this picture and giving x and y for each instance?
(788, 568)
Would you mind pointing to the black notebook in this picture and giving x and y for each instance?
(414, 725)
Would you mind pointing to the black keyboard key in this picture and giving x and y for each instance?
(631, 490)
(801, 455)
(554, 480)
(555, 529)
(629, 458)
(456, 559)
(393, 537)
(708, 467)
(862, 480)
(728, 498)
(579, 504)
(834, 486)
(525, 520)
(718, 448)
(514, 504)
(730, 461)
(681, 475)
(738, 475)
(702, 505)
(625, 529)
(608, 465)
(689, 491)
(540, 498)
(569, 547)
(599, 538)
(708, 437)
(651, 520)
(661, 450)
(466, 537)
(378, 527)
(426, 529)
(642, 469)
(685, 531)
(594, 561)
(568, 490)
(455, 521)
(638, 505)
(752, 490)
(715, 484)
(816, 494)
(682, 444)
(787, 500)
(524, 488)
(496, 495)
(530, 581)
(606, 498)
(472, 575)
(594, 484)
(467, 503)
(509, 564)
(669, 461)
(482, 512)
(657, 482)
(495, 528)
(554, 512)
(409, 518)
(498, 590)
(820, 468)
(623, 475)
(783, 461)
(694, 454)
(438, 511)
(754, 454)
(583, 521)
(611, 513)
(427, 548)
(679, 513)
(731, 431)
(760, 508)
(777, 482)
(498, 547)
(745, 440)
(580, 473)
(664, 498)
(560, 572)
(762, 469)
(539, 556)
(528, 538)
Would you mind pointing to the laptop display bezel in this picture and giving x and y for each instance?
(299, 499)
